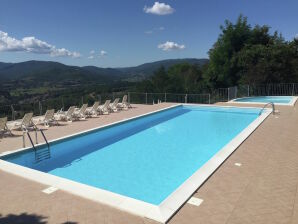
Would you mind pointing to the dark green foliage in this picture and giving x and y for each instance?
(268, 64)
(160, 80)
(180, 78)
(243, 54)
(185, 78)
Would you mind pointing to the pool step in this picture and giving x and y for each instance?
(42, 154)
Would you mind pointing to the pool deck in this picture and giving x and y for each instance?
(262, 190)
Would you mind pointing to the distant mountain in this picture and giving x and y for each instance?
(2, 64)
(55, 72)
(112, 72)
(148, 69)
(45, 71)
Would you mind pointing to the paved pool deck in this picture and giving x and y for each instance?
(262, 190)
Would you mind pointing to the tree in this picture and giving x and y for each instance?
(160, 80)
(222, 70)
(267, 64)
(243, 54)
(185, 78)
(180, 78)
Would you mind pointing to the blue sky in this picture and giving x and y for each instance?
(127, 33)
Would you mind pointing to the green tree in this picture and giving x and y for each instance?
(268, 64)
(160, 80)
(185, 78)
(222, 69)
(243, 54)
(180, 78)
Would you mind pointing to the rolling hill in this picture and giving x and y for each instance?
(54, 71)
(147, 69)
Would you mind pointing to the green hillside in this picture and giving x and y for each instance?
(54, 71)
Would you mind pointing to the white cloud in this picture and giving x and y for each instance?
(154, 30)
(103, 53)
(148, 32)
(91, 56)
(33, 45)
(169, 45)
(62, 52)
(296, 37)
(159, 9)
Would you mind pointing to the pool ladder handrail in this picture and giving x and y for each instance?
(263, 108)
(31, 141)
(40, 155)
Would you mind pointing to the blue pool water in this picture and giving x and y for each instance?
(146, 158)
(266, 99)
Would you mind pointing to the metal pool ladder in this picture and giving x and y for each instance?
(273, 108)
(42, 153)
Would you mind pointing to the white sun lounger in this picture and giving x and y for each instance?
(113, 106)
(3, 126)
(104, 109)
(80, 113)
(66, 115)
(49, 118)
(26, 122)
(124, 104)
(90, 111)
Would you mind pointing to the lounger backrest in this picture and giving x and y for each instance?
(70, 111)
(107, 103)
(124, 99)
(95, 105)
(116, 101)
(49, 114)
(3, 121)
(83, 108)
(27, 119)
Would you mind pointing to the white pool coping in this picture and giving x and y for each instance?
(291, 103)
(162, 212)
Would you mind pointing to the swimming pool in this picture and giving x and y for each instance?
(278, 100)
(147, 165)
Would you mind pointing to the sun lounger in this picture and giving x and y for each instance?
(80, 113)
(49, 118)
(113, 106)
(90, 111)
(26, 122)
(124, 104)
(104, 109)
(3, 126)
(65, 115)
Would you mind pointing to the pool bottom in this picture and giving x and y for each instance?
(161, 212)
